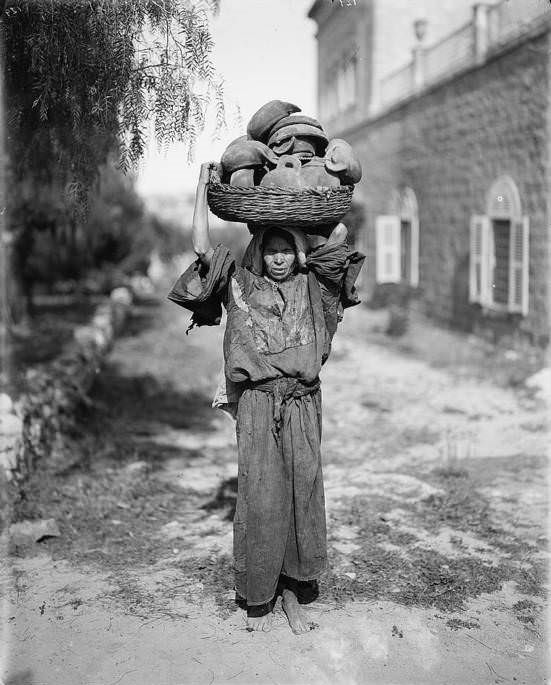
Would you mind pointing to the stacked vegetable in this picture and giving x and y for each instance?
(285, 149)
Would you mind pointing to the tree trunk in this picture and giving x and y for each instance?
(13, 302)
(13, 307)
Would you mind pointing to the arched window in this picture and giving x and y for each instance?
(503, 201)
(397, 235)
(500, 250)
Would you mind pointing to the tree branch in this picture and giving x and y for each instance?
(152, 66)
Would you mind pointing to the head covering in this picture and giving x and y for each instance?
(268, 115)
(253, 259)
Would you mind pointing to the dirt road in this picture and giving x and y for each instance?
(436, 499)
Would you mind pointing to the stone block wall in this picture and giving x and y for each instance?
(449, 144)
(345, 27)
(30, 426)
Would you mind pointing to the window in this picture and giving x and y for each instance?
(397, 240)
(499, 251)
(387, 235)
(340, 87)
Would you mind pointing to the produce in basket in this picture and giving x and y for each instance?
(303, 148)
(247, 178)
(285, 171)
(246, 154)
(287, 174)
(262, 121)
(279, 138)
(315, 173)
(340, 158)
(293, 119)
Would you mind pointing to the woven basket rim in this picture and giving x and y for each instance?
(262, 205)
(281, 190)
(215, 183)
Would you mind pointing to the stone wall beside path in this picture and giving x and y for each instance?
(30, 426)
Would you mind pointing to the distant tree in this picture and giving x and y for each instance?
(86, 78)
(115, 236)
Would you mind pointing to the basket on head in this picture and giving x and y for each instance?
(310, 209)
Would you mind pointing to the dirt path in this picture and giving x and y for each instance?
(436, 509)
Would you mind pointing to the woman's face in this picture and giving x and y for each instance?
(279, 257)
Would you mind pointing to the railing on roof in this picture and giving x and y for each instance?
(397, 84)
(490, 27)
(509, 18)
(450, 54)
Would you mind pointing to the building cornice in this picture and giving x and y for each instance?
(493, 55)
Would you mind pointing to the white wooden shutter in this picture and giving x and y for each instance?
(488, 264)
(414, 279)
(479, 263)
(519, 265)
(387, 235)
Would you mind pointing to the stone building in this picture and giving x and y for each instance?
(449, 107)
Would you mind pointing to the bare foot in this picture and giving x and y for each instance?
(263, 623)
(295, 615)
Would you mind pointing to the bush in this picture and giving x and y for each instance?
(396, 297)
(392, 294)
(96, 251)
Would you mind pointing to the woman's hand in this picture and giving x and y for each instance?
(200, 227)
(301, 244)
(204, 173)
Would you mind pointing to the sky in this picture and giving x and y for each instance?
(264, 50)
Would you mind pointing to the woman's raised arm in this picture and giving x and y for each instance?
(200, 228)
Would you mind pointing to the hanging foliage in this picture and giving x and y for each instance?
(85, 76)
(86, 81)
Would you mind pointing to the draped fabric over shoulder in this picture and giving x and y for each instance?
(278, 335)
(203, 289)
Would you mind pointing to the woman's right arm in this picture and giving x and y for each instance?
(200, 228)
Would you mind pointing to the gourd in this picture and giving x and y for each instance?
(287, 174)
(340, 159)
(314, 173)
(246, 154)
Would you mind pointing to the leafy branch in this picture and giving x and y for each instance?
(84, 77)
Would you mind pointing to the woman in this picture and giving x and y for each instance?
(283, 304)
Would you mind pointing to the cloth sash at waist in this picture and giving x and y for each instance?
(283, 389)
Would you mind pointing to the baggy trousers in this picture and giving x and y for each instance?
(279, 525)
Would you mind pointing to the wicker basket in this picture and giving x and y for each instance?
(314, 210)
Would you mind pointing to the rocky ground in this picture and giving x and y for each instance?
(436, 503)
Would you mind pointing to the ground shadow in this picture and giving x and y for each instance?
(225, 498)
(127, 414)
(21, 678)
(141, 318)
(143, 399)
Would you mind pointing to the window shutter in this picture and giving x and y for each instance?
(479, 263)
(519, 266)
(415, 252)
(387, 235)
(488, 264)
